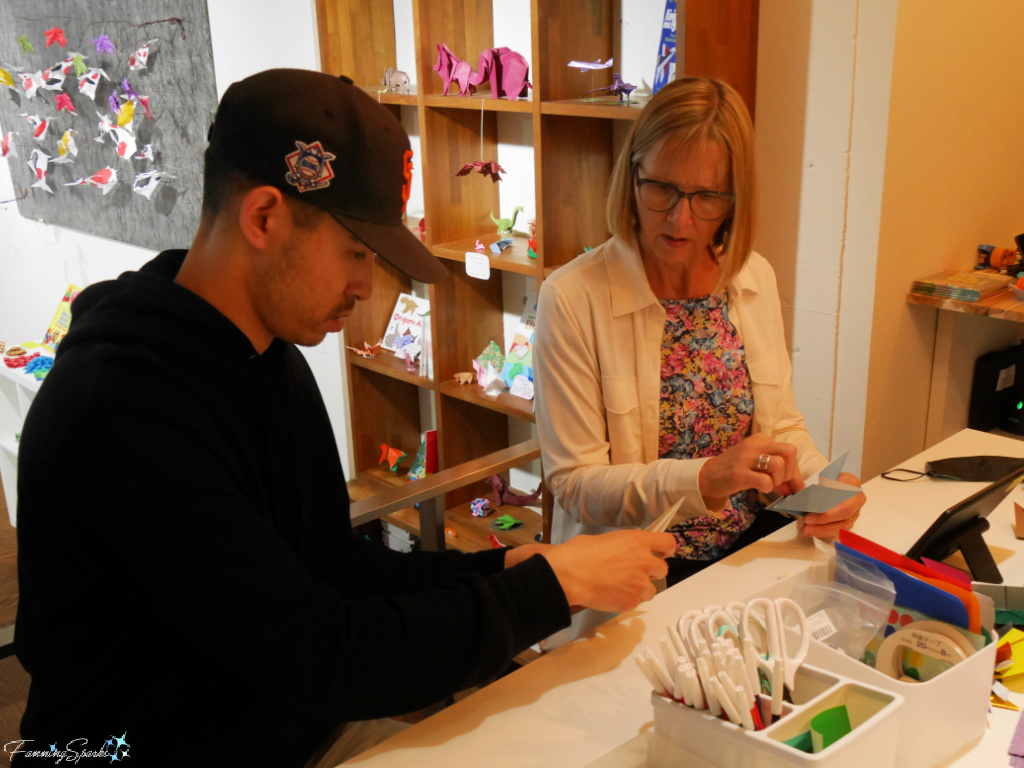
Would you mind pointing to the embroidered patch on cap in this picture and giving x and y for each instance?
(310, 167)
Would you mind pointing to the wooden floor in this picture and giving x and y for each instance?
(13, 679)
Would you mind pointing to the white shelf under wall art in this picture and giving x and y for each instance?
(17, 391)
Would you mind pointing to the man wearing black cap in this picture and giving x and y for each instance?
(190, 588)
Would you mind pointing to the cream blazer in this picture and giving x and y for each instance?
(598, 382)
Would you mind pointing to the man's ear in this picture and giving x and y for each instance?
(264, 216)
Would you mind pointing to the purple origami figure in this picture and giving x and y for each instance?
(504, 495)
(507, 70)
(453, 69)
(619, 87)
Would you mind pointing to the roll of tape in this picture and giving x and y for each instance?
(929, 638)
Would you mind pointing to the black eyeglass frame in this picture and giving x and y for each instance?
(680, 195)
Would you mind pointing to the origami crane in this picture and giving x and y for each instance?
(504, 495)
(87, 83)
(367, 350)
(392, 455)
(52, 79)
(39, 125)
(484, 168)
(140, 58)
(125, 142)
(30, 82)
(618, 87)
(66, 147)
(583, 66)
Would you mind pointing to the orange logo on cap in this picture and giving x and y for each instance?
(407, 172)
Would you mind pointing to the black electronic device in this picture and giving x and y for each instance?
(997, 391)
(960, 528)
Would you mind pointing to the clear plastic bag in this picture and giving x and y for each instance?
(847, 601)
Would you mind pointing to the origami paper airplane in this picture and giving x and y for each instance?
(30, 82)
(484, 168)
(87, 83)
(146, 183)
(392, 455)
(583, 66)
(820, 496)
(140, 58)
(66, 147)
(104, 179)
(37, 164)
(367, 350)
(7, 148)
(39, 125)
(55, 35)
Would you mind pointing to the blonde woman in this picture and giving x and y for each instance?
(661, 365)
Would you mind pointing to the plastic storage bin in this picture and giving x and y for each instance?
(874, 716)
(940, 716)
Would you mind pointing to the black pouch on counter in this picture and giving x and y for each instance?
(974, 469)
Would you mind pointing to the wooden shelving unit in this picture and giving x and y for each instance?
(1002, 305)
(575, 142)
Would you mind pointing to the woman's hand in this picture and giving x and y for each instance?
(755, 462)
(841, 517)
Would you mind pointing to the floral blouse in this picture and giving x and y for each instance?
(706, 407)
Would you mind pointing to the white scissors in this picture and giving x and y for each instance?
(771, 643)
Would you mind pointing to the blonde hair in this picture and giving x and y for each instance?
(697, 110)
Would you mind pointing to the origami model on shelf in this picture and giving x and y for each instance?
(391, 455)
(504, 495)
(531, 246)
(420, 230)
(618, 87)
(477, 247)
(367, 350)
(480, 507)
(483, 167)
(488, 365)
(507, 71)
(394, 79)
(584, 66)
(500, 245)
(465, 378)
(505, 225)
(410, 362)
(506, 523)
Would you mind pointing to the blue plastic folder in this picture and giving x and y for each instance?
(915, 594)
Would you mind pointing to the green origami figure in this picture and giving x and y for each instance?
(79, 64)
(26, 46)
(506, 523)
(505, 225)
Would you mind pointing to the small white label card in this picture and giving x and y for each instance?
(522, 387)
(478, 265)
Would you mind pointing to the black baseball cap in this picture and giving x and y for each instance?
(324, 141)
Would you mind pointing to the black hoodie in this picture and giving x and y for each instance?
(188, 575)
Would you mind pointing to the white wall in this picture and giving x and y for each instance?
(37, 261)
(823, 79)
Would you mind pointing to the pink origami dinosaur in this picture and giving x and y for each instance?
(504, 495)
(507, 70)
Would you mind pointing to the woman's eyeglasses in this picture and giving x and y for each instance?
(660, 197)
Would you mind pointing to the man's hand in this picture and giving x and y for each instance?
(737, 470)
(613, 571)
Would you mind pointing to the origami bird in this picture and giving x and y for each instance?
(367, 350)
(484, 168)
